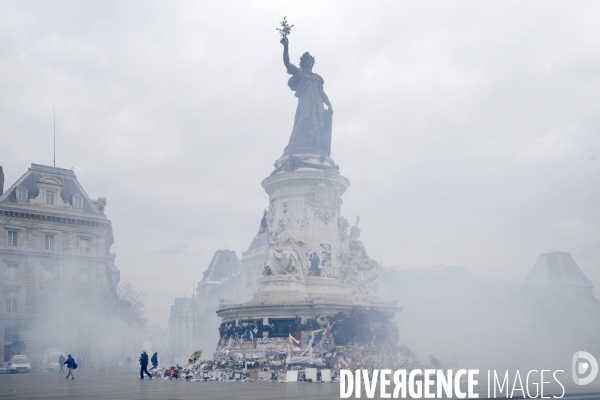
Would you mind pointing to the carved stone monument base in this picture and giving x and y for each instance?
(285, 297)
(317, 268)
(282, 300)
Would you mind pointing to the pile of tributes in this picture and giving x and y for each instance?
(278, 360)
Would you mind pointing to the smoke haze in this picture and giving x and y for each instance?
(469, 131)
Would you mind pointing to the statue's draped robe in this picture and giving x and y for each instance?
(285, 257)
(309, 119)
(359, 268)
(366, 268)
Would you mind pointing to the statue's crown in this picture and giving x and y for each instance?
(307, 57)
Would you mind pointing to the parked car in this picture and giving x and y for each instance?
(19, 363)
(3, 368)
(49, 362)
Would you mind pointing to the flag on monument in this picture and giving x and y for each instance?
(263, 223)
(344, 363)
(318, 338)
(310, 335)
(293, 341)
(253, 340)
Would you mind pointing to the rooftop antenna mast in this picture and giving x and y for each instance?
(193, 316)
(54, 114)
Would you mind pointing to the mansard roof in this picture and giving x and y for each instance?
(65, 178)
(258, 241)
(224, 264)
(556, 267)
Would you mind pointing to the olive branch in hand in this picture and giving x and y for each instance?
(285, 28)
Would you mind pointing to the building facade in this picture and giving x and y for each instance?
(222, 278)
(55, 262)
(182, 332)
(253, 264)
(227, 277)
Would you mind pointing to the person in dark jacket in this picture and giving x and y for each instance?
(70, 363)
(61, 362)
(144, 365)
(154, 361)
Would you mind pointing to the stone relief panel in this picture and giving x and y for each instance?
(319, 261)
(324, 200)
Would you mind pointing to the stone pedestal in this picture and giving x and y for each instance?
(338, 277)
(311, 199)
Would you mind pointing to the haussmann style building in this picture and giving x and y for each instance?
(55, 264)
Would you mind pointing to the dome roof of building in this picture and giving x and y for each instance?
(258, 241)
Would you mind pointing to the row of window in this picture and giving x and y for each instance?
(49, 240)
(11, 333)
(12, 273)
(180, 324)
(11, 303)
(49, 198)
(13, 239)
(249, 281)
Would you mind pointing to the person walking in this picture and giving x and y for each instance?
(71, 365)
(61, 362)
(154, 361)
(144, 365)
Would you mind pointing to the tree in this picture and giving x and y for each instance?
(127, 305)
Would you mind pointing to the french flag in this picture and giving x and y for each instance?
(263, 224)
(253, 340)
(343, 364)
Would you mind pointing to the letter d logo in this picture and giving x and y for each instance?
(582, 367)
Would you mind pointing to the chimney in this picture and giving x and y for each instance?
(101, 204)
(1, 181)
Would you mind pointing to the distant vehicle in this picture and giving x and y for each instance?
(19, 363)
(3, 368)
(49, 362)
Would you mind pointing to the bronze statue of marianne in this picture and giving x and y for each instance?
(312, 123)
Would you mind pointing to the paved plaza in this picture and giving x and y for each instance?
(109, 385)
(113, 385)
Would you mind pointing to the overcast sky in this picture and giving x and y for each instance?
(469, 131)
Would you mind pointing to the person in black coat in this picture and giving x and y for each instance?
(61, 362)
(154, 361)
(144, 365)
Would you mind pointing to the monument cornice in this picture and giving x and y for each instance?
(289, 309)
(304, 178)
